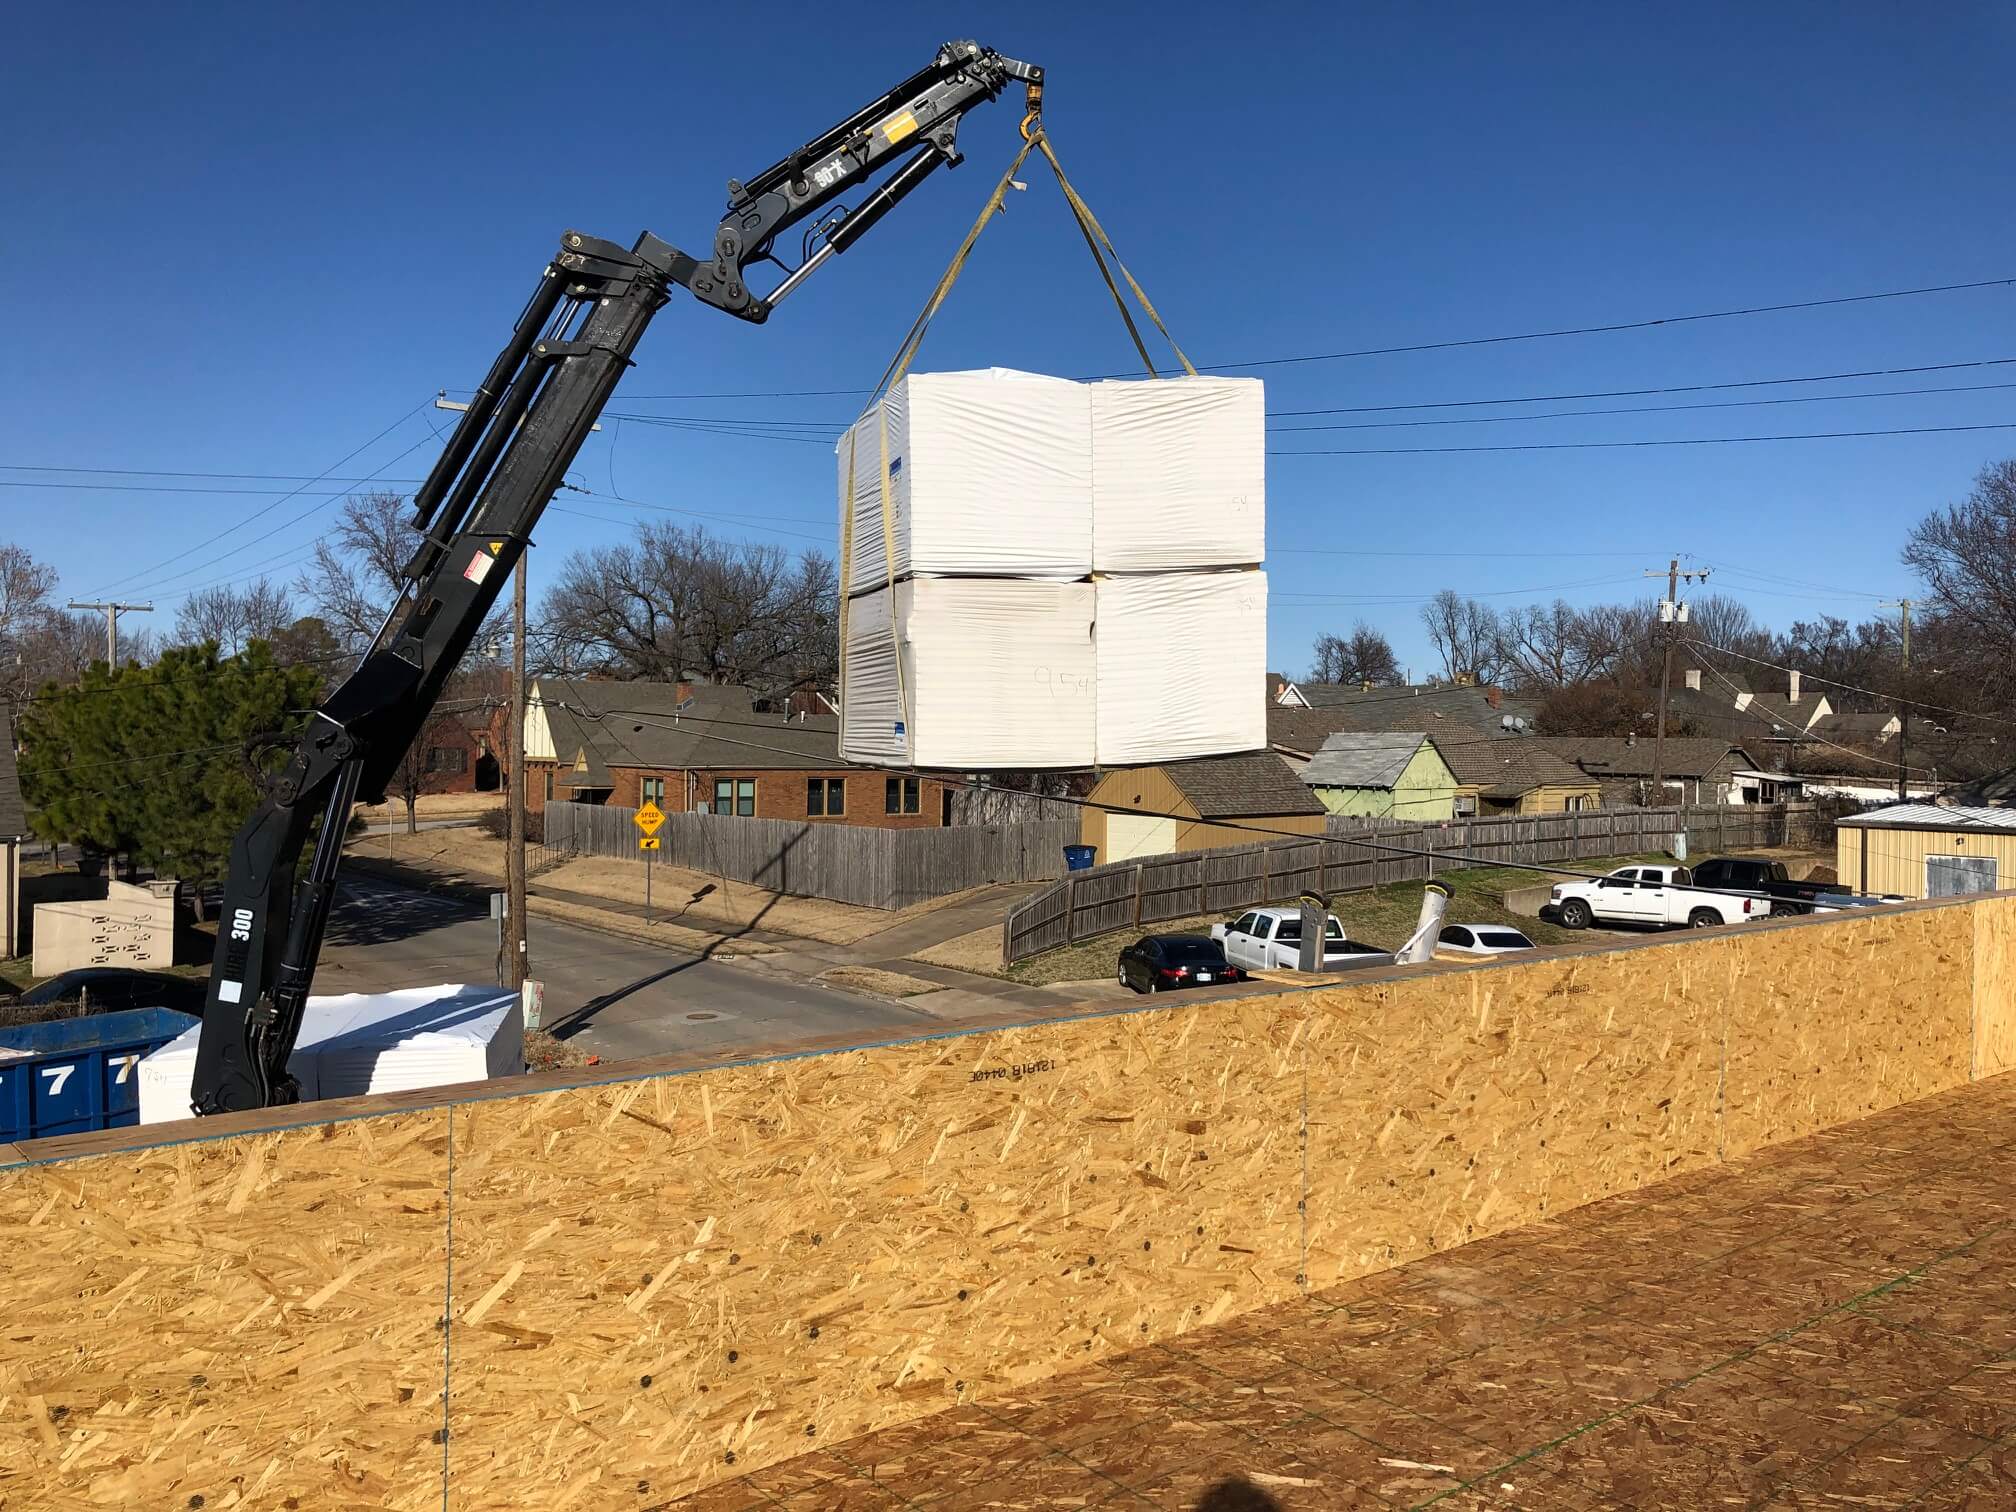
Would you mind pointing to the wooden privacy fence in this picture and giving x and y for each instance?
(848, 863)
(1363, 853)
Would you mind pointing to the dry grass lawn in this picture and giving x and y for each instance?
(874, 979)
(687, 897)
(431, 806)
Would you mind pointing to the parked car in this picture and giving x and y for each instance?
(1270, 939)
(112, 989)
(1755, 874)
(1663, 897)
(1480, 940)
(1158, 963)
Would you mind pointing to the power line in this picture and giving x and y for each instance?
(1416, 451)
(1639, 393)
(267, 509)
(1758, 714)
(1642, 409)
(1451, 344)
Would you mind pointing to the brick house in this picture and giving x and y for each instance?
(704, 748)
(462, 746)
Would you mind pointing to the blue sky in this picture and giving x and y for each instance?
(247, 240)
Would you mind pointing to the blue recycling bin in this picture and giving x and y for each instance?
(1079, 857)
(72, 1075)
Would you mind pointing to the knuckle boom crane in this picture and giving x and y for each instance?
(475, 514)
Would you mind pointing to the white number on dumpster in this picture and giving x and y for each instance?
(57, 1076)
(125, 1063)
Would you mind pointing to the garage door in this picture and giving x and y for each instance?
(1950, 876)
(1132, 836)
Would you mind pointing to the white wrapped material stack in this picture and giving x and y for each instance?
(1182, 659)
(369, 1042)
(990, 473)
(996, 672)
(1179, 474)
(1008, 493)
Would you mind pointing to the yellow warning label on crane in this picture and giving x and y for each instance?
(898, 127)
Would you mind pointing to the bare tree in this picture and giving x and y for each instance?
(677, 602)
(1465, 634)
(25, 613)
(234, 617)
(1364, 656)
(1544, 646)
(1966, 553)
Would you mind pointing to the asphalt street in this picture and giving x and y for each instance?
(612, 997)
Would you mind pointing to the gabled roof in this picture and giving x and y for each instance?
(1510, 768)
(1360, 759)
(1995, 791)
(1417, 707)
(1612, 756)
(13, 813)
(659, 727)
(1254, 785)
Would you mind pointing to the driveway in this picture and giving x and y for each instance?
(611, 997)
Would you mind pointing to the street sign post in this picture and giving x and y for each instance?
(649, 820)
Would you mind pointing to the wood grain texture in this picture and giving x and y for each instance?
(1994, 986)
(242, 1320)
(1831, 1019)
(655, 1277)
(1446, 1108)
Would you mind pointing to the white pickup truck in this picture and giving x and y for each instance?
(1270, 939)
(1661, 896)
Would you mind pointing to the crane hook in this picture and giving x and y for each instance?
(1033, 121)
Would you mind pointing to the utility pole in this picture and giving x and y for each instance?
(112, 613)
(1672, 614)
(517, 964)
(1903, 608)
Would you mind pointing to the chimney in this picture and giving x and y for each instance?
(1694, 679)
(1794, 698)
(1493, 696)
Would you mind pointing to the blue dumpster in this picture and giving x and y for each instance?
(1079, 857)
(69, 1076)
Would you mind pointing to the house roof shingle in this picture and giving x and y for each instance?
(1255, 785)
(654, 726)
(13, 813)
(1510, 768)
(1613, 756)
(1362, 759)
(1416, 708)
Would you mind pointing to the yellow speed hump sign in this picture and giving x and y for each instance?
(649, 819)
(647, 842)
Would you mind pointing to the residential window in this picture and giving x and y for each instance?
(899, 796)
(549, 784)
(652, 790)
(447, 759)
(735, 795)
(825, 797)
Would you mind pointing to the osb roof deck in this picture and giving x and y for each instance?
(1830, 1323)
(310, 1115)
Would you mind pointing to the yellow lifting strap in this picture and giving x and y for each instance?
(1095, 238)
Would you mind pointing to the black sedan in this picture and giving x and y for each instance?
(108, 989)
(1157, 963)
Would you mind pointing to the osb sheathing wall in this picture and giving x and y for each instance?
(651, 1284)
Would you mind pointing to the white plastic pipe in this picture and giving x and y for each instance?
(1420, 945)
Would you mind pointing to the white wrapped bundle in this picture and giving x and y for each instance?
(997, 672)
(991, 475)
(1182, 665)
(1179, 474)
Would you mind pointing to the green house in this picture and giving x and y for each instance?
(1382, 775)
